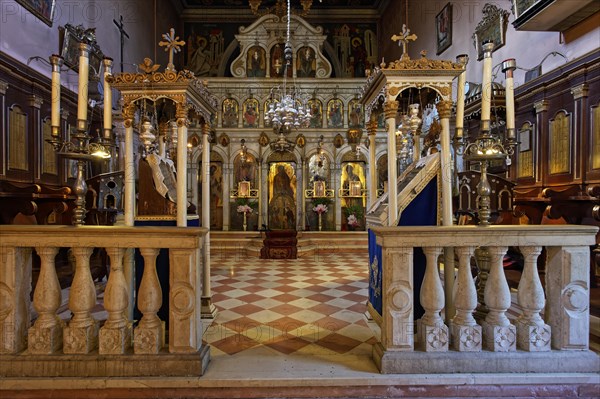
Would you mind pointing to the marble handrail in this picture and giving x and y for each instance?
(81, 335)
(554, 319)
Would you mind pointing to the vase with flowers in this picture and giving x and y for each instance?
(354, 215)
(320, 209)
(244, 207)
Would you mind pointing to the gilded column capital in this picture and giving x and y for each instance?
(128, 114)
(541, 106)
(580, 91)
(206, 128)
(181, 113)
(444, 109)
(372, 127)
(391, 109)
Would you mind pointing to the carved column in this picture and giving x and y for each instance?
(533, 334)
(337, 175)
(81, 336)
(129, 178)
(444, 111)
(209, 311)
(391, 109)
(227, 182)
(185, 319)
(466, 334)
(372, 133)
(182, 130)
(15, 287)
(433, 333)
(3, 89)
(264, 190)
(35, 102)
(568, 297)
(498, 333)
(581, 111)
(118, 151)
(45, 337)
(149, 336)
(300, 195)
(541, 110)
(115, 335)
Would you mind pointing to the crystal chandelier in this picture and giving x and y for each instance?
(289, 109)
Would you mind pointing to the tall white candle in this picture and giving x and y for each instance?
(462, 59)
(486, 85)
(56, 62)
(84, 70)
(508, 66)
(107, 99)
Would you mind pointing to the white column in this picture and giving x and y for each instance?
(391, 108)
(372, 132)
(300, 196)
(444, 108)
(226, 194)
(337, 173)
(460, 97)
(208, 310)
(182, 125)
(107, 100)
(129, 183)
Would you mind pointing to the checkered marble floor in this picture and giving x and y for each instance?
(310, 306)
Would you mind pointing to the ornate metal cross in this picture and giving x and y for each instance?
(403, 39)
(172, 44)
(123, 34)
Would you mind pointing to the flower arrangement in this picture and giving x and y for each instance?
(352, 221)
(244, 209)
(320, 209)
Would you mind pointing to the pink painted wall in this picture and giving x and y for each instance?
(528, 48)
(22, 35)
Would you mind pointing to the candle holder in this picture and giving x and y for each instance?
(487, 147)
(77, 147)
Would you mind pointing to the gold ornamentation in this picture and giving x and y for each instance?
(444, 109)
(424, 64)
(128, 114)
(443, 90)
(391, 109)
(403, 39)
(147, 66)
(172, 45)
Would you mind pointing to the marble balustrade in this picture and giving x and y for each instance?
(81, 335)
(554, 317)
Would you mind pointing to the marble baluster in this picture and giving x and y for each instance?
(149, 336)
(498, 333)
(115, 335)
(45, 336)
(81, 334)
(533, 334)
(466, 333)
(433, 333)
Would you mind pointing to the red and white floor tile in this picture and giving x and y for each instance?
(310, 306)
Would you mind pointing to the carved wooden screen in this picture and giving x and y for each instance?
(49, 155)
(596, 137)
(525, 154)
(17, 139)
(560, 143)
